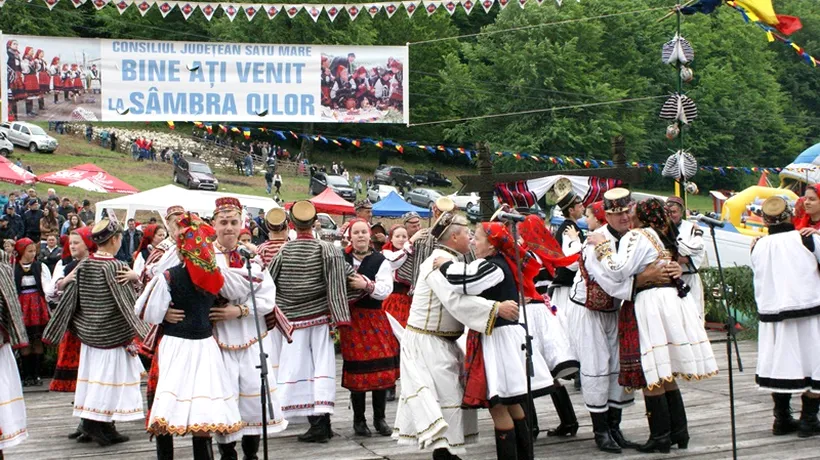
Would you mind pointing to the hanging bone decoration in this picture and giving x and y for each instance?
(677, 50)
(680, 164)
(679, 107)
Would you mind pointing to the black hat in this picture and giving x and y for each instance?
(104, 231)
(303, 214)
(617, 200)
(33, 201)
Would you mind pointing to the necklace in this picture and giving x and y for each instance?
(103, 254)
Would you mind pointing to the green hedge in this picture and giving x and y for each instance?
(740, 282)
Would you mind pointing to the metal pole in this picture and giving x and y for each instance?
(527, 345)
(678, 66)
(267, 406)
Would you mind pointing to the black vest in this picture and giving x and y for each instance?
(369, 268)
(70, 266)
(36, 271)
(564, 276)
(195, 302)
(505, 290)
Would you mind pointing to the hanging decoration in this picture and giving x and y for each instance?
(679, 108)
(677, 50)
(680, 164)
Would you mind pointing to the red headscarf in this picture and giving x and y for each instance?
(21, 245)
(388, 243)
(598, 211)
(801, 219)
(148, 232)
(85, 234)
(195, 243)
(349, 247)
(245, 231)
(501, 239)
(539, 240)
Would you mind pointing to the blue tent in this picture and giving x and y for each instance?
(394, 206)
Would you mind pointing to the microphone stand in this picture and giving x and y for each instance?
(267, 406)
(731, 337)
(527, 345)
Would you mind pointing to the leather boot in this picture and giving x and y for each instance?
(113, 435)
(657, 413)
(36, 365)
(228, 451)
(505, 444)
(327, 425)
(250, 447)
(566, 413)
(784, 423)
(532, 418)
(41, 104)
(97, 432)
(677, 417)
(444, 454)
(391, 394)
(203, 448)
(317, 432)
(379, 404)
(523, 439)
(603, 438)
(809, 425)
(614, 419)
(78, 432)
(357, 400)
(165, 447)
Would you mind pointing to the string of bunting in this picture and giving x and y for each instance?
(232, 10)
(564, 162)
(771, 33)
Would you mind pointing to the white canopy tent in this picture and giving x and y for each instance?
(160, 198)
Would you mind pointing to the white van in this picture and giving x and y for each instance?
(29, 136)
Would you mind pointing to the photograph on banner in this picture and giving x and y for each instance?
(362, 85)
(52, 78)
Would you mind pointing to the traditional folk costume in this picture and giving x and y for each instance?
(671, 336)
(276, 223)
(100, 312)
(312, 293)
(691, 245)
(12, 336)
(56, 80)
(145, 248)
(237, 338)
(785, 266)
(430, 413)
(33, 284)
(369, 349)
(397, 304)
(194, 394)
(426, 243)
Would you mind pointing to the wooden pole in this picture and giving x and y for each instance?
(485, 169)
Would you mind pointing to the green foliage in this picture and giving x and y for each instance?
(740, 281)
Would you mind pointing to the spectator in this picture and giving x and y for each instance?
(31, 220)
(357, 184)
(71, 224)
(32, 195)
(277, 182)
(16, 225)
(135, 149)
(175, 157)
(4, 200)
(48, 224)
(14, 198)
(270, 162)
(113, 139)
(249, 164)
(5, 231)
(86, 213)
(346, 175)
(8, 248)
(89, 133)
(51, 253)
(335, 168)
(66, 208)
(131, 238)
(52, 195)
(268, 179)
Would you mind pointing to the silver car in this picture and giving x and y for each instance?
(424, 197)
(29, 136)
(379, 192)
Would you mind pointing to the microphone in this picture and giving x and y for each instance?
(245, 252)
(711, 221)
(506, 216)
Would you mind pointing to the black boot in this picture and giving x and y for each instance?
(36, 365)
(809, 425)
(677, 418)
(97, 432)
(614, 419)
(165, 447)
(113, 435)
(379, 404)
(203, 449)
(784, 423)
(317, 432)
(78, 432)
(532, 418)
(328, 427)
(391, 392)
(603, 438)
(577, 381)
(25, 370)
(657, 413)
(444, 454)
(357, 400)
(566, 413)
(41, 104)
(250, 447)
(523, 439)
(505, 444)
(228, 451)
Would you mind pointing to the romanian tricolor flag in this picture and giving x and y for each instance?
(210, 128)
(356, 142)
(337, 142)
(399, 148)
(235, 129)
(223, 128)
(379, 144)
(198, 124)
(171, 125)
(246, 132)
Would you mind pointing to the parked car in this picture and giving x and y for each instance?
(464, 201)
(29, 136)
(424, 197)
(393, 175)
(431, 178)
(379, 192)
(6, 147)
(195, 173)
(320, 181)
(329, 227)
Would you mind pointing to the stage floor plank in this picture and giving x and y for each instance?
(50, 420)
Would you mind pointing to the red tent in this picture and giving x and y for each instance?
(10, 172)
(88, 177)
(331, 203)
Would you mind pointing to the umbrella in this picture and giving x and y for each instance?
(88, 177)
(10, 172)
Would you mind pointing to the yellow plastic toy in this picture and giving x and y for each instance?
(735, 207)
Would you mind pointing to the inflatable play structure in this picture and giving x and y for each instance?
(743, 208)
(804, 170)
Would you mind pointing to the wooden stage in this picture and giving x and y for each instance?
(50, 420)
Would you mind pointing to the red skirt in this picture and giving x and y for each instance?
(370, 351)
(398, 305)
(474, 375)
(153, 379)
(68, 362)
(58, 82)
(631, 375)
(35, 313)
(32, 84)
(45, 81)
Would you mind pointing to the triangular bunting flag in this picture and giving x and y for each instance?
(373, 9)
(410, 7)
(251, 10)
(144, 5)
(293, 10)
(390, 9)
(503, 3)
(314, 11)
(539, 2)
(431, 7)
(487, 5)
(187, 9)
(353, 11)
(123, 5)
(450, 6)
(522, 3)
(76, 3)
(467, 5)
(99, 4)
(208, 10)
(272, 10)
(230, 10)
(51, 4)
(333, 11)
(166, 7)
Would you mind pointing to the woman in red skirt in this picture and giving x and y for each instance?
(56, 77)
(30, 79)
(397, 251)
(369, 349)
(32, 279)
